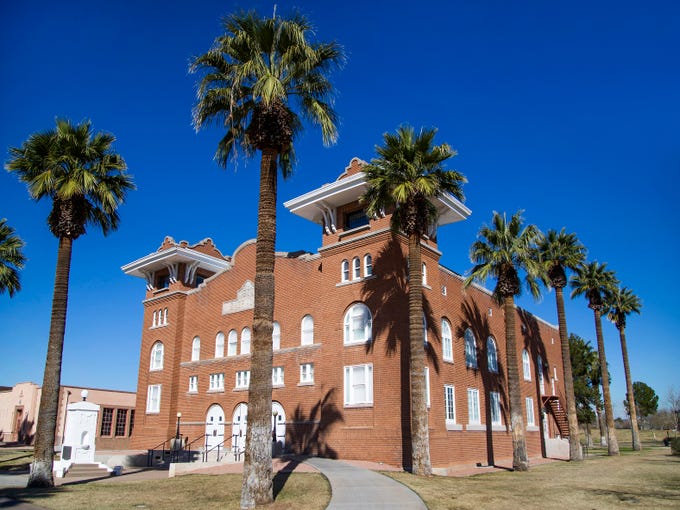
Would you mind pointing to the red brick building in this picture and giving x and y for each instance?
(340, 372)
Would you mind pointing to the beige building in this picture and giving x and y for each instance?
(20, 403)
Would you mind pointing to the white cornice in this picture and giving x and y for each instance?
(165, 258)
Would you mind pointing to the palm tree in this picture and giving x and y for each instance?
(557, 252)
(622, 302)
(501, 252)
(405, 177)
(252, 74)
(86, 182)
(11, 259)
(596, 282)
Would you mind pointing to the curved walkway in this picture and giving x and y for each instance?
(362, 489)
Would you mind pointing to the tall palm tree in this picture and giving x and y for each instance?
(595, 282)
(621, 303)
(11, 259)
(557, 252)
(251, 77)
(501, 252)
(404, 179)
(86, 182)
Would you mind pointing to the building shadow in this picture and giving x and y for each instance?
(478, 322)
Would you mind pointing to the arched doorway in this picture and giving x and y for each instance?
(278, 428)
(239, 423)
(214, 426)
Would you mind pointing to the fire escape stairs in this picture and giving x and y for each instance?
(553, 403)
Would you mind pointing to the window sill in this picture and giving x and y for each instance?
(311, 383)
(275, 386)
(153, 412)
(216, 390)
(157, 326)
(453, 426)
(499, 428)
(155, 369)
(362, 343)
(449, 361)
(353, 231)
(240, 388)
(354, 280)
(358, 406)
(478, 427)
(192, 392)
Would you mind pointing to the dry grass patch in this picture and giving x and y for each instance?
(301, 490)
(650, 479)
(15, 460)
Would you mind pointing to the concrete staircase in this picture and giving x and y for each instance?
(557, 409)
(86, 471)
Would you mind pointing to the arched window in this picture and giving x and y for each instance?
(165, 316)
(276, 336)
(491, 355)
(424, 273)
(345, 271)
(358, 324)
(424, 330)
(307, 330)
(245, 341)
(470, 349)
(157, 356)
(232, 343)
(526, 365)
(447, 341)
(368, 265)
(219, 345)
(539, 369)
(154, 323)
(356, 268)
(196, 349)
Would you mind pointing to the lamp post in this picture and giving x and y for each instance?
(177, 441)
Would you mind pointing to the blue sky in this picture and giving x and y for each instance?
(568, 110)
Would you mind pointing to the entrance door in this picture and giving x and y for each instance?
(278, 427)
(19, 424)
(214, 426)
(238, 428)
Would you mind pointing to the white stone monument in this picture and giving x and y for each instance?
(79, 436)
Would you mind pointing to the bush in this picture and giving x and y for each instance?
(675, 446)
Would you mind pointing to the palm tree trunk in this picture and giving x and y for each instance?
(612, 443)
(257, 465)
(575, 452)
(520, 460)
(629, 388)
(41, 468)
(420, 436)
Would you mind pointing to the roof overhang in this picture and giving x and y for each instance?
(164, 258)
(330, 196)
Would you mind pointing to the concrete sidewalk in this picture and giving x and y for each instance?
(362, 489)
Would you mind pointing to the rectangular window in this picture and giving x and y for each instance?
(131, 425)
(359, 384)
(473, 407)
(107, 420)
(427, 385)
(531, 422)
(217, 382)
(450, 403)
(307, 373)
(193, 384)
(153, 398)
(495, 399)
(121, 419)
(277, 376)
(355, 219)
(242, 379)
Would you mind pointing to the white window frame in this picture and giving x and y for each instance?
(447, 341)
(232, 343)
(355, 376)
(165, 317)
(358, 311)
(424, 330)
(531, 417)
(219, 345)
(242, 379)
(495, 407)
(450, 404)
(193, 384)
(154, 323)
(470, 349)
(368, 265)
(196, 349)
(356, 268)
(306, 373)
(427, 386)
(153, 399)
(276, 336)
(157, 355)
(344, 271)
(492, 355)
(526, 365)
(216, 382)
(424, 274)
(474, 415)
(307, 330)
(245, 340)
(277, 376)
(541, 375)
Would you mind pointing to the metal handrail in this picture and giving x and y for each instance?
(150, 451)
